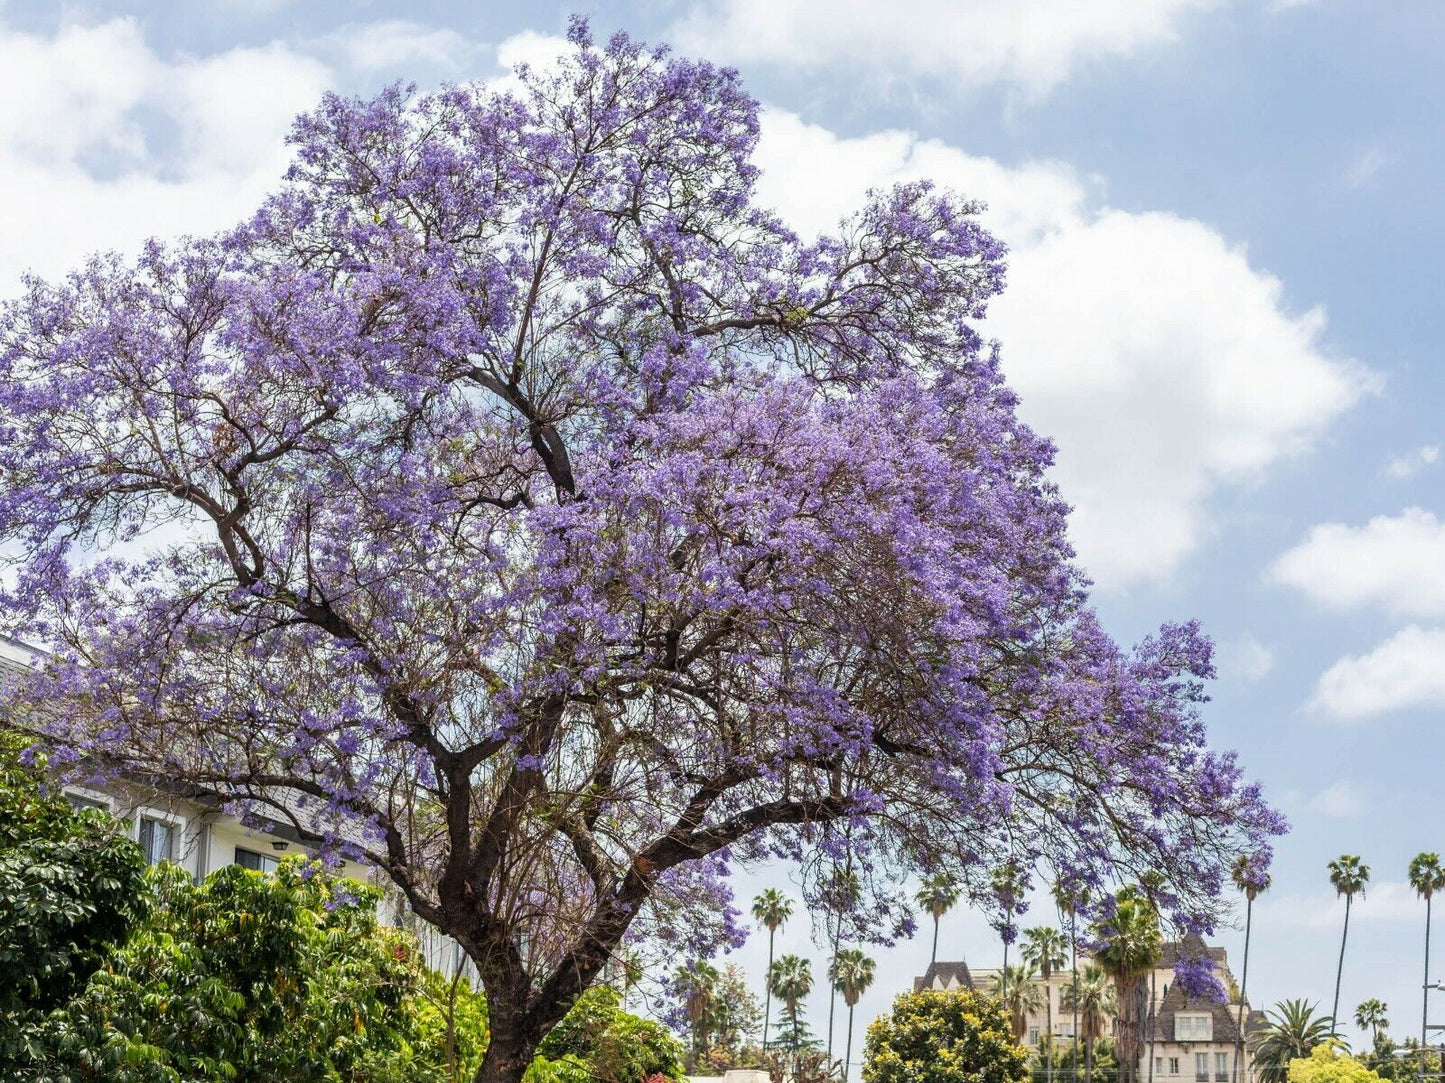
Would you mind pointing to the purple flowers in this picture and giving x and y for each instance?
(519, 499)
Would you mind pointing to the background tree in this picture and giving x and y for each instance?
(936, 897)
(1427, 876)
(840, 898)
(734, 1020)
(1020, 995)
(937, 1036)
(545, 520)
(1250, 876)
(851, 973)
(1091, 996)
(1372, 1015)
(1130, 946)
(608, 1045)
(1006, 887)
(792, 979)
(1044, 950)
(697, 985)
(1070, 894)
(1328, 1063)
(1348, 877)
(1292, 1030)
(771, 909)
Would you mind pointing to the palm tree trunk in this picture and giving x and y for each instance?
(833, 987)
(1089, 1060)
(933, 958)
(1425, 1006)
(1074, 967)
(1150, 1024)
(768, 986)
(1049, 1012)
(848, 1048)
(1243, 982)
(1339, 973)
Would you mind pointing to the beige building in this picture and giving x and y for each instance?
(1184, 1040)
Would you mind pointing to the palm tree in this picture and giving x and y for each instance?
(1006, 891)
(1427, 876)
(791, 977)
(1292, 1031)
(771, 909)
(1020, 995)
(840, 896)
(1092, 998)
(851, 974)
(1370, 1015)
(1044, 951)
(697, 982)
(1131, 948)
(1069, 895)
(938, 895)
(1250, 877)
(1349, 878)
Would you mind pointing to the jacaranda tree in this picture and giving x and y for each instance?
(517, 503)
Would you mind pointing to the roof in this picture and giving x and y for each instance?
(949, 974)
(1189, 946)
(1226, 1024)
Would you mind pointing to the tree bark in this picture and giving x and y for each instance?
(1425, 1005)
(1339, 973)
(1243, 983)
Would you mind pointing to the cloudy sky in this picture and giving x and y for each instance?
(1224, 304)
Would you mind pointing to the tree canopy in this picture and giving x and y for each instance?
(933, 1036)
(517, 503)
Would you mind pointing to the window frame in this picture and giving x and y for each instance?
(265, 863)
(173, 820)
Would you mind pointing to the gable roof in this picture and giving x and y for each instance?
(949, 974)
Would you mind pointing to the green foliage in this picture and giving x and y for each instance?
(936, 1036)
(70, 887)
(1328, 1063)
(263, 978)
(609, 1044)
(1292, 1031)
(1104, 1069)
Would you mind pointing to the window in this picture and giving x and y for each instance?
(1201, 1067)
(250, 859)
(1173, 1065)
(1221, 1067)
(80, 801)
(157, 840)
(1158, 1065)
(1033, 1035)
(1193, 1028)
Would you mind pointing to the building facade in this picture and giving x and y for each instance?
(1182, 1039)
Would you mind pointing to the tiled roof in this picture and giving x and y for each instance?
(1190, 946)
(1226, 1027)
(949, 973)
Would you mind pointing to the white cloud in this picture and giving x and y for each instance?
(1407, 670)
(80, 168)
(1412, 462)
(1164, 364)
(1246, 660)
(390, 44)
(1030, 44)
(1338, 801)
(1386, 901)
(1394, 562)
(1366, 167)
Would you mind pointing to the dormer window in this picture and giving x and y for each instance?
(1193, 1027)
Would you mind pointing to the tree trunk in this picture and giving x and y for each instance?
(933, 958)
(1149, 1022)
(1089, 1060)
(1074, 969)
(1049, 1011)
(848, 1047)
(1425, 1006)
(1243, 982)
(507, 1057)
(833, 987)
(768, 987)
(1339, 973)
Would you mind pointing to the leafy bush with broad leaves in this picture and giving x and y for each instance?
(934, 1036)
(606, 1045)
(70, 886)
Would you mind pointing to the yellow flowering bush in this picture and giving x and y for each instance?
(1328, 1063)
(935, 1036)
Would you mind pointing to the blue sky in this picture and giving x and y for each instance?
(1224, 304)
